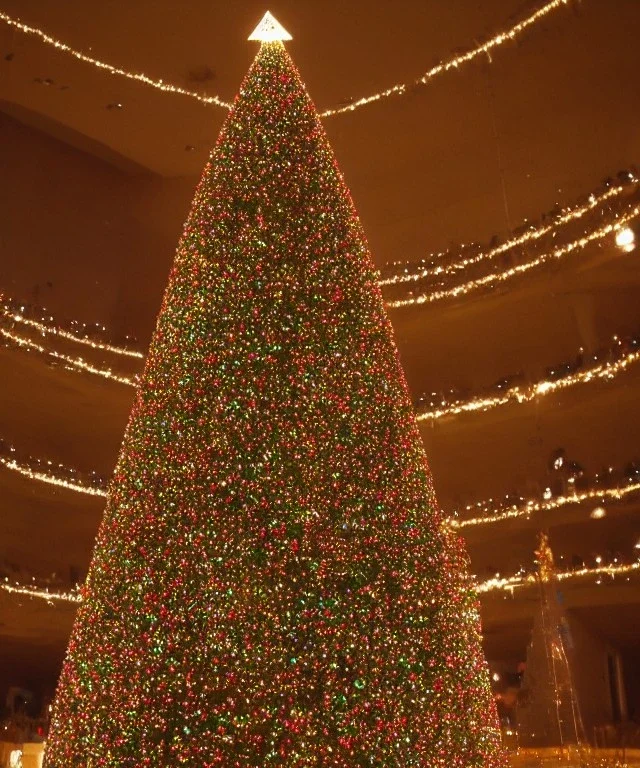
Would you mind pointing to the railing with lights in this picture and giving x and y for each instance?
(513, 585)
(453, 261)
(75, 363)
(618, 485)
(603, 366)
(619, 222)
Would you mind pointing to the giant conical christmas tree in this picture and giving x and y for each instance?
(272, 584)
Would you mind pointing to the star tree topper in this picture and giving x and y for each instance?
(269, 30)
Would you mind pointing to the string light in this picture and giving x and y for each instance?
(568, 216)
(498, 583)
(452, 63)
(76, 362)
(44, 594)
(140, 77)
(499, 277)
(518, 581)
(477, 404)
(525, 509)
(56, 331)
(533, 506)
(607, 370)
(75, 330)
(455, 62)
(51, 479)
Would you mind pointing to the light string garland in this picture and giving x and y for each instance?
(94, 484)
(454, 62)
(511, 583)
(607, 370)
(446, 65)
(531, 507)
(16, 312)
(77, 363)
(520, 395)
(47, 329)
(74, 330)
(532, 234)
(49, 478)
(13, 313)
(140, 77)
(49, 596)
(495, 278)
(508, 584)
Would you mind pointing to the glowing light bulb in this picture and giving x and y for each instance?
(626, 239)
(598, 513)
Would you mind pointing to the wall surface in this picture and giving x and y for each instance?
(82, 238)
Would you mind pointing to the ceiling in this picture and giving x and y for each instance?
(472, 154)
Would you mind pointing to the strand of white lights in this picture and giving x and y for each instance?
(140, 77)
(512, 583)
(50, 479)
(55, 331)
(507, 274)
(446, 65)
(456, 61)
(531, 506)
(516, 394)
(50, 597)
(516, 511)
(508, 584)
(75, 362)
(569, 215)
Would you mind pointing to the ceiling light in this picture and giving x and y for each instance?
(626, 239)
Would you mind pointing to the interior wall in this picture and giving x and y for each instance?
(85, 255)
(591, 677)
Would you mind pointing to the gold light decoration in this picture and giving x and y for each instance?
(531, 507)
(455, 62)
(520, 581)
(450, 64)
(510, 584)
(140, 77)
(50, 479)
(501, 276)
(74, 362)
(535, 233)
(603, 371)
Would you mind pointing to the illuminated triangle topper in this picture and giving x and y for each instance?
(269, 30)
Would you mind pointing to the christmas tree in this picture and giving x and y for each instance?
(272, 582)
(549, 714)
